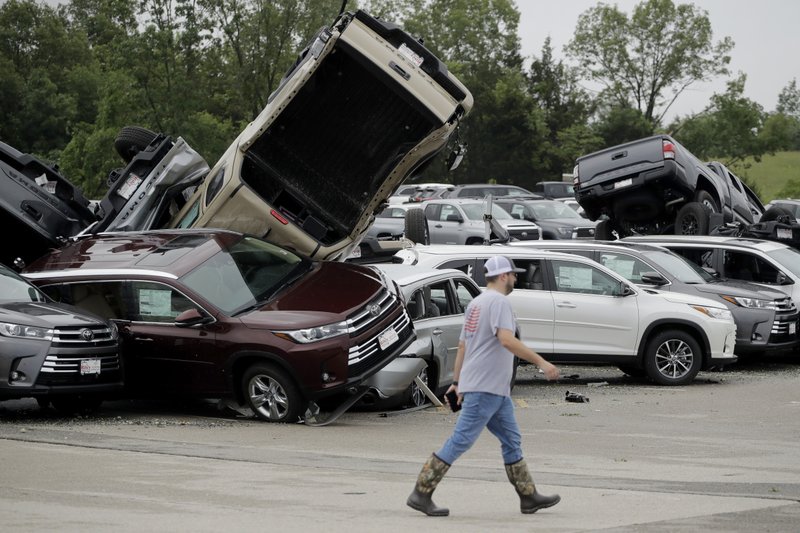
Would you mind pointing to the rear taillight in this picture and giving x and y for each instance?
(575, 180)
(280, 218)
(669, 150)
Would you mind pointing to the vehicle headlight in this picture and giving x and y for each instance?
(750, 303)
(714, 312)
(565, 232)
(25, 332)
(114, 330)
(315, 334)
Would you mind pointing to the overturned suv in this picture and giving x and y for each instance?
(364, 106)
(52, 352)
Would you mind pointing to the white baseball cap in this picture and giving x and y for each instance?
(500, 264)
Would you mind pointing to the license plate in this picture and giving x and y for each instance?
(127, 189)
(623, 183)
(90, 366)
(387, 338)
(792, 328)
(784, 233)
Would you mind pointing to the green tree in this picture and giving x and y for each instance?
(49, 77)
(617, 124)
(566, 107)
(787, 115)
(731, 129)
(647, 60)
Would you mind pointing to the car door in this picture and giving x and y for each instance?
(446, 224)
(533, 305)
(588, 317)
(162, 356)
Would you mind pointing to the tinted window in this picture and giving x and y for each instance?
(468, 267)
(748, 267)
(702, 257)
(215, 185)
(533, 277)
(103, 298)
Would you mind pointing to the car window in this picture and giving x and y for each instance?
(630, 268)
(441, 300)
(103, 298)
(749, 267)
(465, 293)
(156, 302)
(475, 211)
(215, 185)
(190, 217)
(788, 258)
(513, 192)
(582, 278)
(448, 211)
(547, 210)
(468, 267)
(16, 289)
(533, 277)
(702, 257)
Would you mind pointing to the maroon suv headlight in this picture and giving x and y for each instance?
(314, 334)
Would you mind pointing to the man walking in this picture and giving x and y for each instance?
(483, 371)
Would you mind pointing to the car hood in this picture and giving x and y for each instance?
(516, 224)
(684, 298)
(44, 315)
(318, 300)
(743, 291)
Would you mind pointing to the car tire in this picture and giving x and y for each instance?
(692, 219)
(707, 199)
(271, 394)
(604, 231)
(778, 214)
(414, 396)
(672, 357)
(131, 140)
(416, 227)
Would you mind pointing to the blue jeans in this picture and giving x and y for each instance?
(484, 410)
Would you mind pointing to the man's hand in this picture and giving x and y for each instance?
(551, 371)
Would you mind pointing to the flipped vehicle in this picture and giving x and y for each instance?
(217, 314)
(55, 353)
(365, 106)
(656, 186)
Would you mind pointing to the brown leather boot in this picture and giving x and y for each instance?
(429, 477)
(530, 500)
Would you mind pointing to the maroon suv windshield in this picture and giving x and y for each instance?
(245, 274)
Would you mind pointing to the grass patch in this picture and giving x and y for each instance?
(771, 174)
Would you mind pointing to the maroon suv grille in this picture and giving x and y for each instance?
(369, 353)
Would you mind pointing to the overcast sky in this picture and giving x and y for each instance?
(766, 34)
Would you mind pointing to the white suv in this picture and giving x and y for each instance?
(573, 310)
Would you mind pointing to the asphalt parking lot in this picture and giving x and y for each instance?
(717, 455)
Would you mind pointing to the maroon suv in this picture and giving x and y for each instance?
(217, 314)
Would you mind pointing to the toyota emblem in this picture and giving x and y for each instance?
(374, 310)
(87, 334)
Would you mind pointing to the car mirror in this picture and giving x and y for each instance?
(623, 289)
(653, 278)
(454, 218)
(191, 317)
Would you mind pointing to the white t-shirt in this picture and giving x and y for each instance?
(487, 366)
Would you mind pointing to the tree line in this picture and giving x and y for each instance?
(75, 73)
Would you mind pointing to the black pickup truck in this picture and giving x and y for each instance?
(656, 186)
